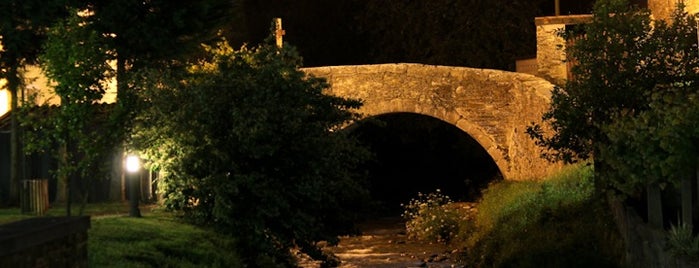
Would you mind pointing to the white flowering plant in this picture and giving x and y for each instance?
(431, 217)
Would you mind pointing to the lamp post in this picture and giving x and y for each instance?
(133, 175)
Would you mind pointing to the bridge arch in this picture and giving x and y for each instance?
(494, 107)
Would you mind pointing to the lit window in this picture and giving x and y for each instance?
(4, 102)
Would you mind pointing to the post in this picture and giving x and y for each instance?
(687, 201)
(557, 7)
(133, 175)
(279, 32)
(655, 206)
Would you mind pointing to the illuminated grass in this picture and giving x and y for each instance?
(158, 239)
(554, 222)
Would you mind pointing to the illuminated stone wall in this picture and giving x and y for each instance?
(494, 107)
(550, 51)
(662, 9)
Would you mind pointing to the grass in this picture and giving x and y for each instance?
(555, 222)
(158, 239)
(528, 200)
(97, 209)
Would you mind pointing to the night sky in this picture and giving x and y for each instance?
(485, 34)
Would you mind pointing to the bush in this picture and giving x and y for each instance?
(433, 217)
(682, 243)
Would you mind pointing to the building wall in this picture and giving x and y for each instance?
(527, 66)
(662, 9)
(4, 101)
(550, 52)
(40, 90)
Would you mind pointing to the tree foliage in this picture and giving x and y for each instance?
(80, 133)
(659, 145)
(250, 145)
(609, 78)
(22, 29)
(77, 57)
(634, 82)
(144, 33)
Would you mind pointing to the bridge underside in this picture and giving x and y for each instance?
(415, 153)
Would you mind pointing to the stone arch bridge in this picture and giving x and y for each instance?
(494, 107)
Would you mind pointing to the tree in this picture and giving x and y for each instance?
(133, 34)
(81, 134)
(658, 145)
(610, 78)
(623, 104)
(250, 145)
(157, 34)
(22, 29)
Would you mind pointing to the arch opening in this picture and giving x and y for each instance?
(419, 153)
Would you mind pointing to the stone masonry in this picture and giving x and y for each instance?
(550, 52)
(662, 9)
(494, 107)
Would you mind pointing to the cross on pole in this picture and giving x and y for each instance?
(279, 32)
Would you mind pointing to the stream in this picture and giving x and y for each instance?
(383, 244)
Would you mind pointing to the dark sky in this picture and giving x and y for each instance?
(473, 33)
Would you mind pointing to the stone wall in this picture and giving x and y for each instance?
(662, 9)
(550, 47)
(494, 107)
(45, 242)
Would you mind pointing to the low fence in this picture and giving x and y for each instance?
(45, 242)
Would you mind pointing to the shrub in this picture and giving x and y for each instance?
(682, 243)
(250, 146)
(433, 217)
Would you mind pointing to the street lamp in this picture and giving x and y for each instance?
(133, 176)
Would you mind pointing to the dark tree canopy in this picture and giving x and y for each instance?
(159, 30)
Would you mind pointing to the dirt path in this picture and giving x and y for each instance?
(383, 244)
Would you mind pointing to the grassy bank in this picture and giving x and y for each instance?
(556, 222)
(158, 239)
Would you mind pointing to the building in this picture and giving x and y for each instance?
(550, 60)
